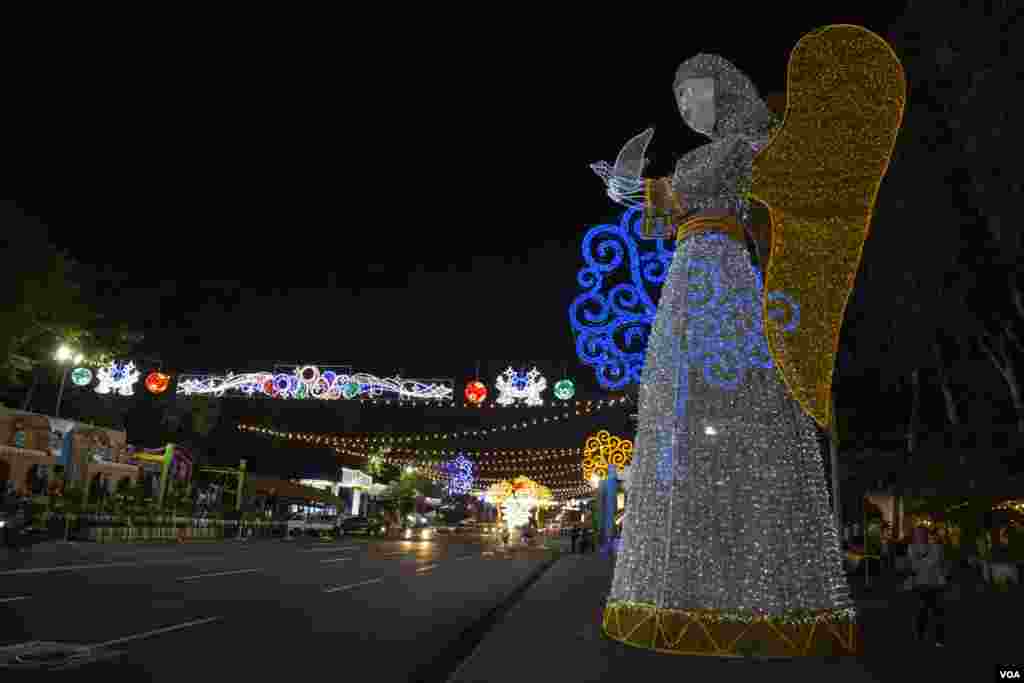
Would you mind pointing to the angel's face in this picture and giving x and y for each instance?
(696, 98)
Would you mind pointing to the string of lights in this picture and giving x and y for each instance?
(564, 480)
(513, 458)
(588, 408)
(561, 491)
(476, 407)
(560, 481)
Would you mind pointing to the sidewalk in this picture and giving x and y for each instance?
(556, 629)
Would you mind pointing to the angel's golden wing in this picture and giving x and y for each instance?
(819, 178)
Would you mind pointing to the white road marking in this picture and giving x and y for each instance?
(145, 551)
(203, 576)
(466, 557)
(425, 569)
(351, 585)
(105, 565)
(154, 632)
(337, 559)
(20, 597)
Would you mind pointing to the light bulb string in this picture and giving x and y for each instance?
(335, 439)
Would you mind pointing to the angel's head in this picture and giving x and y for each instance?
(717, 99)
(696, 99)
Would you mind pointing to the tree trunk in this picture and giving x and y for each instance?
(1000, 357)
(912, 432)
(1018, 298)
(947, 390)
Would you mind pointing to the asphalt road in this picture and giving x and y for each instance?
(264, 610)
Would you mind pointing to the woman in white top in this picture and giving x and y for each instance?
(928, 580)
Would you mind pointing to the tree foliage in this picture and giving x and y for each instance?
(939, 276)
(43, 303)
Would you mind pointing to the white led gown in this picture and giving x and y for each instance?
(727, 506)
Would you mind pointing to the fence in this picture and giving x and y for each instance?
(116, 529)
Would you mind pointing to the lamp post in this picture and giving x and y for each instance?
(66, 357)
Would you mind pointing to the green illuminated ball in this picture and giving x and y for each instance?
(81, 376)
(564, 389)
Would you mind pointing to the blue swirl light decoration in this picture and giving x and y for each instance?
(459, 472)
(612, 323)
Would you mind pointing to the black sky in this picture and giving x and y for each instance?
(414, 212)
(413, 201)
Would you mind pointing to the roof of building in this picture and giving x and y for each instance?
(289, 489)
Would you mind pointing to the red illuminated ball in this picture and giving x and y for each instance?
(157, 382)
(476, 392)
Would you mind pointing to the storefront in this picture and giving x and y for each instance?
(281, 497)
(354, 485)
(38, 453)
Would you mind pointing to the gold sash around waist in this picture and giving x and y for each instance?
(724, 224)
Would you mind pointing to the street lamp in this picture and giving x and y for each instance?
(66, 357)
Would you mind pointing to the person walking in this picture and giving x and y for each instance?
(574, 535)
(15, 527)
(928, 581)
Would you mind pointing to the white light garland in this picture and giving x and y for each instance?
(310, 382)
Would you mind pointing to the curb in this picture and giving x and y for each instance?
(450, 660)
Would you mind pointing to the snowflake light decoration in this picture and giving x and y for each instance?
(516, 386)
(460, 476)
(117, 378)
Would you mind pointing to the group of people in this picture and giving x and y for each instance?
(17, 516)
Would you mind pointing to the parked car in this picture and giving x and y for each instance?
(370, 526)
(418, 532)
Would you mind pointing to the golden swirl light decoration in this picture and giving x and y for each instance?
(603, 449)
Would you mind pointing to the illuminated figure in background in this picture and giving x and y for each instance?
(729, 542)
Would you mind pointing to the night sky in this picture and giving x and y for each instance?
(411, 207)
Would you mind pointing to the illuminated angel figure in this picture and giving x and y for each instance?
(728, 518)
